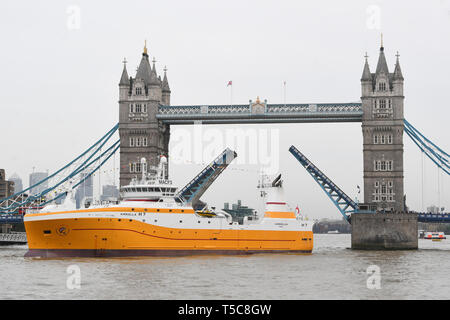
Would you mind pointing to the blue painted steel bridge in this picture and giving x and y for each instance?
(261, 112)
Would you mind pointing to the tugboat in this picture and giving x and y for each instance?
(151, 219)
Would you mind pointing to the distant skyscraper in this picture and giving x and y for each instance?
(18, 185)
(110, 192)
(6, 187)
(35, 177)
(86, 189)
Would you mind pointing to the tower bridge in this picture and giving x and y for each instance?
(145, 117)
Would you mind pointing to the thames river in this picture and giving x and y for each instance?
(332, 271)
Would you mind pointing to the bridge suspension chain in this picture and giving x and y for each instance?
(430, 149)
(64, 175)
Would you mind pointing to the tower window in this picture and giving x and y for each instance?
(138, 91)
(131, 108)
(145, 108)
(131, 142)
(382, 86)
(389, 165)
(138, 142)
(138, 108)
(144, 141)
(382, 104)
(375, 139)
(389, 139)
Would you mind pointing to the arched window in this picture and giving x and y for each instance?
(382, 86)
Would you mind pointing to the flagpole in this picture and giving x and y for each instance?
(230, 83)
(231, 94)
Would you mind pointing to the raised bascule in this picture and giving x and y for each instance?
(146, 115)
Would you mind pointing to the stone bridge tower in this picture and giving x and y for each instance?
(141, 134)
(382, 126)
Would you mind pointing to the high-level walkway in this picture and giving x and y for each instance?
(261, 113)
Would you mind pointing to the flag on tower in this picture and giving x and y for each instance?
(230, 83)
(297, 210)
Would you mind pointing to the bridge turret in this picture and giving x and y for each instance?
(382, 126)
(366, 79)
(124, 83)
(142, 135)
(165, 89)
(397, 79)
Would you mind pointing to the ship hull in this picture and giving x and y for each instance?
(71, 253)
(119, 237)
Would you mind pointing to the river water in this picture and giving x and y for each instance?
(332, 271)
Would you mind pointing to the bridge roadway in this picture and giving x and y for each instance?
(421, 217)
(261, 113)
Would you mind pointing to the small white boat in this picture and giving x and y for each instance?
(434, 236)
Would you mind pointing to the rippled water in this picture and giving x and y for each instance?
(332, 271)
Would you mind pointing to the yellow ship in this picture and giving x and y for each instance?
(151, 221)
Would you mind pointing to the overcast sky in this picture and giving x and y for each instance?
(60, 73)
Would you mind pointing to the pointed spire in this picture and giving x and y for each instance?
(382, 65)
(398, 71)
(144, 69)
(165, 82)
(124, 81)
(366, 76)
(153, 75)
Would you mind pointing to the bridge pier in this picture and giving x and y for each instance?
(384, 231)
